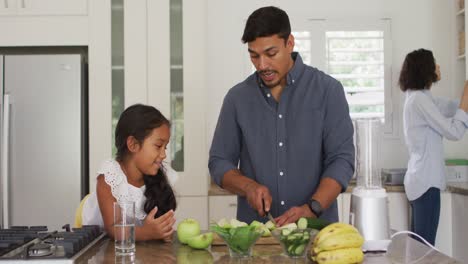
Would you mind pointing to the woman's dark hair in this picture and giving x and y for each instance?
(418, 71)
(265, 22)
(138, 121)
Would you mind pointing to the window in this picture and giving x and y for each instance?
(356, 53)
(356, 59)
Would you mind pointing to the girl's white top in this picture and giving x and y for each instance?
(122, 192)
(426, 121)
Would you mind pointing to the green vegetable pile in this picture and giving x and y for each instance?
(239, 239)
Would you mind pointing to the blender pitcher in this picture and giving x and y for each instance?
(368, 149)
(369, 201)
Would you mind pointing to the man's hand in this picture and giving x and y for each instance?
(293, 214)
(255, 193)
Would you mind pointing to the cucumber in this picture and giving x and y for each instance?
(299, 249)
(314, 223)
(285, 232)
(295, 241)
(296, 236)
(302, 223)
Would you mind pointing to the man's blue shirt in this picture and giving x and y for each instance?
(288, 146)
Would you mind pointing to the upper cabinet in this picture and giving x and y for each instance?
(158, 54)
(177, 85)
(461, 46)
(44, 23)
(43, 7)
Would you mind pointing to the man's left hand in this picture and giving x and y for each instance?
(293, 214)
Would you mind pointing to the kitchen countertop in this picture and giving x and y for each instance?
(403, 249)
(457, 187)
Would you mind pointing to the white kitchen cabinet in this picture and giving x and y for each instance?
(446, 230)
(195, 207)
(460, 227)
(398, 211)
(43, 7)
(147, 77)
(345, 207)
(461, 68)
(339, 202)
(44, 23)
(8, 7)
(193, 179)
(147, 80)
(222, 206)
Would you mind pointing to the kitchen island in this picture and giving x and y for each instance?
(403, 249)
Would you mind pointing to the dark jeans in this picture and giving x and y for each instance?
(425, 213)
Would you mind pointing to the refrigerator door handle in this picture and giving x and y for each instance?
(5, 161)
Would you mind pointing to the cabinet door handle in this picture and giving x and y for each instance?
(6, 3)
(23, 4)
(233, 205)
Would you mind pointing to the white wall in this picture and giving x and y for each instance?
(415, 24)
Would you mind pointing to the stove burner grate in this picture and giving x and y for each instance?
(40, 250)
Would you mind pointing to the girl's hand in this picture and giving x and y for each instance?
(161, 227)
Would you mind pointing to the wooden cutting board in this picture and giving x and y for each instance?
(218, 241)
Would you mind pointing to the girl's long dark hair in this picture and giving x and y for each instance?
(138, 121)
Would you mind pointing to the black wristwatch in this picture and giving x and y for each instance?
(315, 207)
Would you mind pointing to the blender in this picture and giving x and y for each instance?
(369, 201)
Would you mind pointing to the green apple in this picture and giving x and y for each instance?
(186, 229)
(223, 223)
(270, 225)
(237, 223)
(266, 231)
(256, 223)
(201, 241)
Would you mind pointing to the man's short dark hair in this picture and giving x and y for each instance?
(267, 21)
(418, 70)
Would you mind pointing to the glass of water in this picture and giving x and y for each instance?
(124, 228)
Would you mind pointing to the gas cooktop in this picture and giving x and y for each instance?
(37, 244)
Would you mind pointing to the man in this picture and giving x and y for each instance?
(284, 135)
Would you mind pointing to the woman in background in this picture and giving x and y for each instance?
(426, 121)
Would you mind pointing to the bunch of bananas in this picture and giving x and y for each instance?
(338, 243)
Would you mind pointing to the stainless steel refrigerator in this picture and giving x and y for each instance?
(43, 158)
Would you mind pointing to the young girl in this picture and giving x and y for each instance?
(136, 175)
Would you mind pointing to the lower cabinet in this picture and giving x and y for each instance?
(222, 206)
(446, 228)
(398, 211)
(344, 207)
(195, 207)
(460, 227)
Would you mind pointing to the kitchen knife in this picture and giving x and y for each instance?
(270, 217)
